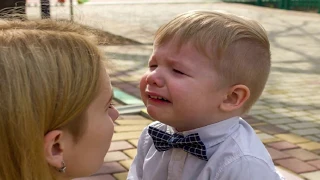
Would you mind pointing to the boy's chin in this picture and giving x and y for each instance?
(155, 114)
(152, 112)
(161, 118)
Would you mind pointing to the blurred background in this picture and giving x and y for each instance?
(287, 116)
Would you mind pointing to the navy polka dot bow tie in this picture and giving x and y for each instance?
(191, 143)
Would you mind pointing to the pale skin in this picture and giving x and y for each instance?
(86, 156)
(187, 81)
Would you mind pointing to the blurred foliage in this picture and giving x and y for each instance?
(300, 5)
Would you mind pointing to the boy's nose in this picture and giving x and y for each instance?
(154, 78)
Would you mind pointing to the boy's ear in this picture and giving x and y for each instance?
(236, 96)
(53, 148)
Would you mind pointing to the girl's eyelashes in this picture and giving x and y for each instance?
(111, 105)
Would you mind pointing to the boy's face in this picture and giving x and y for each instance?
(181, 87)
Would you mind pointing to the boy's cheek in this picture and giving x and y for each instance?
(143, 82)
(142, 85)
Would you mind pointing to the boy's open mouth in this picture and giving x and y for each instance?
(158, 98)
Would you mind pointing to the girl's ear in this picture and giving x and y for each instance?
(236, 96)
(53, 148)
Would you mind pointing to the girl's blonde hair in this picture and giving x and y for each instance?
(49, 74)
(239, 48)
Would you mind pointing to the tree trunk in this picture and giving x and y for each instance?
(45, 9)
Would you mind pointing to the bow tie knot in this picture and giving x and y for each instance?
(191, 143)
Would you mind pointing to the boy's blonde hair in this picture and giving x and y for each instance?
(239, 48)
(49, 74)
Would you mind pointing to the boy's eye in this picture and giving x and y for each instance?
(153, 66)
(177, 71)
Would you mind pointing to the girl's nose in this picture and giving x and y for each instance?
(114, 114)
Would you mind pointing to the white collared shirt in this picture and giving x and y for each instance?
(233, 149)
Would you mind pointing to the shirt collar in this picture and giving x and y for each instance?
(214, 133)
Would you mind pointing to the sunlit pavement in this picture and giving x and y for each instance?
(110, 2)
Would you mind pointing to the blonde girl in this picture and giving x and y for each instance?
(56, 116)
